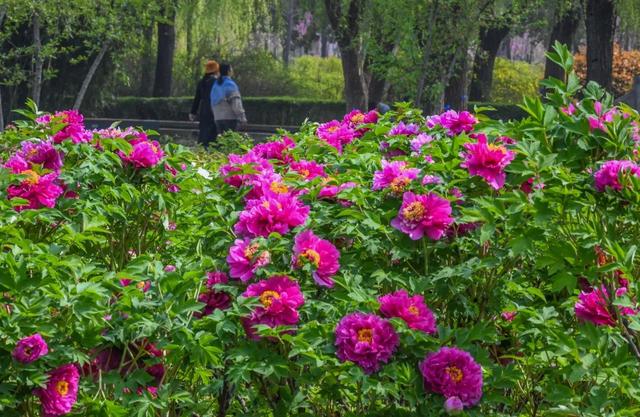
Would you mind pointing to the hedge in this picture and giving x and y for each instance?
(280, 111)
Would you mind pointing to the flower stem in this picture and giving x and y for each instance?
(426, 251)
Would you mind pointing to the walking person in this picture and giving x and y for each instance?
(226, 101)
(201, 107)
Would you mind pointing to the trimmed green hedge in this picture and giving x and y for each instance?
(278, 111)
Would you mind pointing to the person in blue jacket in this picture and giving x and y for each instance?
(226, 102)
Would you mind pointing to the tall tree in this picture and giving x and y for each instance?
(288, 39)
(38, 61)
(344, 17)
(165, 51)
(490, 40)
(600, 22)
(3, 12)
(563, 31)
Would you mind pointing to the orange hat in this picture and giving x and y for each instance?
(211, 67)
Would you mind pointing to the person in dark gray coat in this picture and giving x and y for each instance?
(201, 107)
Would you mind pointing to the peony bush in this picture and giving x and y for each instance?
(376, 265)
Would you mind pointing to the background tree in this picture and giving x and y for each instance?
(600, 22)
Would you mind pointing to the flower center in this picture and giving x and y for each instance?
(358, 118)
(398, 184)
(414, 310)
(251, 250)
(267, 297)
(140, 285)
(454, 373)
(62, 387)
(305, 173)
(414, 211)
(154, 148)
(365, 335)
(500, 148)
(311, 256)
(333, 129)
(28, 350)
(278, 188)
(32, 177)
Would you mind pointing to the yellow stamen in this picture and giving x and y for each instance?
(414, 211)
(500, 148)
(399, 184)
(32, 177)
(454, 373)
(267, 297)
(251, 250)
(312, 256)
(365, 335)
(278, 187)
(414, 310)
(62, 387)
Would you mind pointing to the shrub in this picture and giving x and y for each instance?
(626, 65)
(393, 265)
(319, 78)
(513, 80)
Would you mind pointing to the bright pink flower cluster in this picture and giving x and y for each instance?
(608, 176)
(39, 155)
(421, 215)
(245, 258)
(355, 119)
(212, 298)
(402, 129)
(337, 134)
(487, 160)
(394, 175)
(145, 154)
(241, 169)
(73, 128)
(601, 118)
(280, 298)
(454, 122)
(366, 340)
(411, 309)
(593, 306)
(330, 192)
(453, 373)
(321, 254)
(61, 391)
(278, 213)
(30, 348)
(308, 169)
(278, 150)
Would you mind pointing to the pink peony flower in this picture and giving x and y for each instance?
(423, 214)
(308, 169)
(73, 126)
(454, 122)
(211, 298)
(61, 392)
(508, 315)
(602, 118)
(394, 175)
(30, 348)
(593, 306)
(144, 154)
(609, 173)
(323, 256)
(280, 297)
(330, 192)
(245, 259)
(278, 150)
(170, 268)
(41, 153)
(336, 134)
(356, 119)
(269, 214)
(402, 129)
(40, 191)
(366, 340)
(431, 179)
(453, 406)
(144, 286)
(411, 309)
(569, 110)
(419, 141)
(240, 170)
(487, 161)
(453, 373)
(529, 185)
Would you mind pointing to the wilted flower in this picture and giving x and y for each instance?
(269, 214)
(144, 286)
(170, 268)
(423, 214)
(431, 179)
(245, 258)
(609, 173)
(366, 340)
(394, 175)
(61, 392)
(411, 309)
(30, 348)
(323, 256)
(487, 161)
(453, 373)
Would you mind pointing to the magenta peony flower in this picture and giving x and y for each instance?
(411, 309)
(73, 129)
(170, 268)
(30, 348)
(602, 118)
(454, 122)
(508, 315)
(431, 179)
(609, 173)
(144, 154)
(61, 392)
(453, 406)
(330, 192)
(423, 214)
(453, 373)
(323, 256)
(336, 134)
(269, 214)
(355, 118)
(419, 141)
(41, 153)
(366, 340)
(402, 129)
(212, 298)
(308, 169)
(233, 171)
(593, 306)
(569, 110)
(40, 191)
(245, 259)
(280, 297)
(487, 161)
(394, 175)
(278, 150)
(144, 286)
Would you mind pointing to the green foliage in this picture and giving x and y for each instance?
(513, 80)
(319, 78)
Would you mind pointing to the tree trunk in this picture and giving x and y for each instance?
(355, 94)
(324, 42)
(426, 56)
(146, 62)
(490, 39)
(36, 87)
(286, 50)
(3, 12)
(87, 79)
(564, 32)
(455, 94)
(164, 62)
(600, 28)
